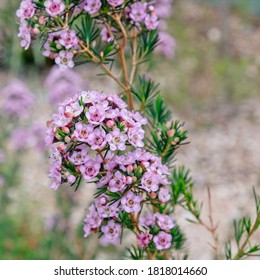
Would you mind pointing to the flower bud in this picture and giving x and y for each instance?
(58, 46)
(57, 136)
(110, 123)
(71, 179)
(171, 132)
(129, 180)
(67, 139)
(69, 114)
(65, 129)
(153, 195)
(61, 147)
(36, 31)
(42, 20)
(129, 168)
(134, 179)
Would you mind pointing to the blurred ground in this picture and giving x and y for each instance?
(216, 94)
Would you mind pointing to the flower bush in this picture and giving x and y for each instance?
(123, 142)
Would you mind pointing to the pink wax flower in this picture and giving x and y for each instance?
(69, 39)
(164, 195)
(147, 220)
(71, 179)
(135, 137)
(117, 139)
(82, 132)
(96, 114)
(164, 222)
(106, 36)
(64, 60)
(151, 22)
(162, 240)
(89, 96)
(61, 119)
(55, 177)
(92, 221)
(111, 232)
(118, 182)
(105, 210)
(131, 202)
(144, 239)
(24, 34)
(97, 139)
(74, 108)
(91, 6)
(104, 180)
(55, 157)
(26, 10)
(150, 182)
(79, 157)
(90, 169)
(54, 7)
(115, 3)
(138, 11)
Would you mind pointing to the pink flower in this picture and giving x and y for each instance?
(96, 114)
(82, 132)
(150, 182)
(164, 195)
(54, 7)
(131, 202)
(25, 34)
(64, 60)
(115, 3)
(97, 139)
(138, 11)
(151, 22)
(166, 45)
(135, 137)
(147, 220)
(104, 180)
(88, 96)
(91, 6)
(61, 119)
(26, 10)
(116, 140)
(55, 157)
(69, 39)
(164, 222)
(105, 36)
(118, 183)
(90, 169)
(105, 210)
(55, 177)
(162, 240)
(79, 157)
(71, 179)
(111, 232)
(92, 221)
(144, 239)
(74, 108)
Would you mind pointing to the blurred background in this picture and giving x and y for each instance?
(208, 67)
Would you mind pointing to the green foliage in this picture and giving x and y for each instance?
(182, 192)
(136, 253)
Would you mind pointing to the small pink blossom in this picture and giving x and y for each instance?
(90, 169)
(162, 240)
(55, 177)
(131, 202)
(106, 36)
(96, 114)
(147, 220)
(69, 39)
(92, 221)
(64, 60)
(118, 182)
(144, 239)
(91, 6)
(111, 232)
(97, 139)
(71, 179)
(116, 140)
(79, 157)
(82, 132)
(150, 182)
(54, 7)
(25, 34)
(138, 11)
(164, 195)
(151, 22)
(164, 222)
(135, 137)
(26, 10)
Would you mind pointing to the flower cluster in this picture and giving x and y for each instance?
(16, 100)
(84, 133)
(130, 183)
(62, 41)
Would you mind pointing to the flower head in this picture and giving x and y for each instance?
(54, 7)
(162, 240)
(131, 202)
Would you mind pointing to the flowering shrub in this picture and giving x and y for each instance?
(127, 152)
